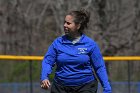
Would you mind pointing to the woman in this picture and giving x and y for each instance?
(74, 54)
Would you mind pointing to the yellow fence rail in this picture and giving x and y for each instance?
(107, 58)
(14, 57)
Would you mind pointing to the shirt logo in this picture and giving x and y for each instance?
(82, 50)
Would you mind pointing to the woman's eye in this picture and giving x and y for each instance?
(68, 23)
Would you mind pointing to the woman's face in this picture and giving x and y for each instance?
(70, 27)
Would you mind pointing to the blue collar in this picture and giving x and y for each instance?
(66, 40)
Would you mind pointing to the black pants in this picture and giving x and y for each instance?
(90, 87)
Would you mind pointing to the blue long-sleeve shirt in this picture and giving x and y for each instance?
(74, 62)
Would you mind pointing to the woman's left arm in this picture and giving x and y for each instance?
(100, 68)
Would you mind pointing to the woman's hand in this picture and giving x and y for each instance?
(45, 84)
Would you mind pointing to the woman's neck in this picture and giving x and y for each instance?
(73, 37)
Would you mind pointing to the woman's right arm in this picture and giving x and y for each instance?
(47, 65)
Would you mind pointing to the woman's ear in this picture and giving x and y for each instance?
(78, 26)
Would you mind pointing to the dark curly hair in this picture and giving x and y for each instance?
(81, 17)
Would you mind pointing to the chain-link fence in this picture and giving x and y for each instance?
(117, 87)
(23, 76)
